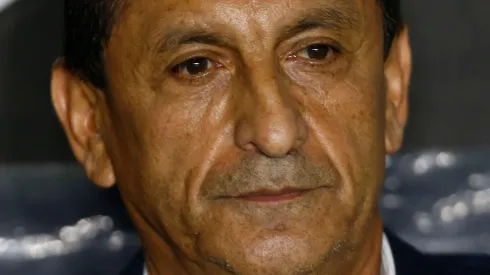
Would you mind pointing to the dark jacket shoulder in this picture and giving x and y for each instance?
(409, 261)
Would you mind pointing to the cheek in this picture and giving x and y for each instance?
(347, 121)
(153, 145)
(169, 146)
(363, 109)
(172, 141)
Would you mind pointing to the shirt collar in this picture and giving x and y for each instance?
(387, 261)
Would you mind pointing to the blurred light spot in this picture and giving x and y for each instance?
(106, 223)
(481, 201)
(69, 239)
(391, 201)
(68, 234)
(4, 246)
(445, 160)
(424, 222)
(5, 3)
(460, 210)
(479, 181)
(116, 241)
(423, 164)
(447, 214)
(86, 229)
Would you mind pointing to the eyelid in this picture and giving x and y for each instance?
(199, 79)
(195, 50)
(304, 43)
(183, 65)
(213, 66)
(187, 57)
(332, 62)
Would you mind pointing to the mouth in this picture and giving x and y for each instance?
(273, 196)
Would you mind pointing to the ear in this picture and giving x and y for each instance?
(78, 108)
(398, 69)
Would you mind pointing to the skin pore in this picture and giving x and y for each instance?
(246, 136)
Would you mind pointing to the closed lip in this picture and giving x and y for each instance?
(271, 195)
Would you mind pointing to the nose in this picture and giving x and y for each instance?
(270, 122)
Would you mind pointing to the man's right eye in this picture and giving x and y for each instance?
(194, 67)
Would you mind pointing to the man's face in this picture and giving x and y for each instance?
(252, 134)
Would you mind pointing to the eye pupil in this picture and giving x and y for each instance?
(318, 51)
(195, 66)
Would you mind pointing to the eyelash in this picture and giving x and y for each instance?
(198, 79)
(333, 50)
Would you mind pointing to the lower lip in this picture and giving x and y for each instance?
(274, 198)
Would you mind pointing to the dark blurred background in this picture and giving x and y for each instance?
(450, 95)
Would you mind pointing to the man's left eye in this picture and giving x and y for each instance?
(315, 52)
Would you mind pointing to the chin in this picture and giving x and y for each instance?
(278, 253)
(283, 254)
(296, 237)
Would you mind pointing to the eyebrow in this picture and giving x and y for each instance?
(190, 35)
(335, 19)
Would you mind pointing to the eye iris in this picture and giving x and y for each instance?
(318, 51)
(195, 66)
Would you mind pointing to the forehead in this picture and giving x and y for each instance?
(258, 12)
(152, 30)
(255, 7)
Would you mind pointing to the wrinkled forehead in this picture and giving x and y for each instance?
(254, 5)
(245, 13)
(163, 22)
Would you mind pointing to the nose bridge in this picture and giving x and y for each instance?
(267, 94)
(273, 115)
(270, 123)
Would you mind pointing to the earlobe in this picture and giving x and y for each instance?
(76, 106)
(97, 164)
(398, 68)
